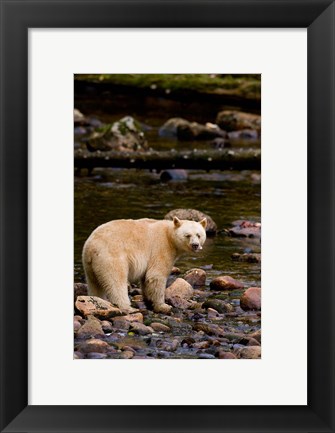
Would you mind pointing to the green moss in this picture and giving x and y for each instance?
(246, 85)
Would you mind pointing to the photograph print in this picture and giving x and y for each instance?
(167, 216)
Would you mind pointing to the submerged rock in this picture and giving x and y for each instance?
(237, 120)
(251, 299)
(92, 305)
(173, 174)
(124, 135)
(247, 257)
(185, 130)
(193, 215)
(225, 283)
(246, 229)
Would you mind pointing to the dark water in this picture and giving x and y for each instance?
(226, 196)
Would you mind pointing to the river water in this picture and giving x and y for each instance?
(128, 193)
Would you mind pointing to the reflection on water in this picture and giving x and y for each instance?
(225, 196)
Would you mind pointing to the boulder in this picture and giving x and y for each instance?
(193, 215)
(231, 120)
(182, 129)
(251, 299)
(179, 288)
(92, 305)
(225, 283)
(123, 135)
(196, 277)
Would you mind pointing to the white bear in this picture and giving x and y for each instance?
(144, 251)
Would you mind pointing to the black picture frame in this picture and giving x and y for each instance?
(318, 16)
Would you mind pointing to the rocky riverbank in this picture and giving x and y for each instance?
(211, 318)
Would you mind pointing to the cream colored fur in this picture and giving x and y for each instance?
(144, 251)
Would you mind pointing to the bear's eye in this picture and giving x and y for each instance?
(187, 236)
(198, 235)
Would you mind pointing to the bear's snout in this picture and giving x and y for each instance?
(196, 247)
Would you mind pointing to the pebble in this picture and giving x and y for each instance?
(96, 355)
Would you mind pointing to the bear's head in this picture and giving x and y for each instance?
(189, 235)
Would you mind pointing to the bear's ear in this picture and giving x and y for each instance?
(176, 222)
(203, 223)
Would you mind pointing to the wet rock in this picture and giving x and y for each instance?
(79, 319)
(249, 352)
(96, 355)
(201, 344)
(78, 355)
(159, 327)
(78, 116)
(179, 288)
(245, 229)
(195, 277)
(175, 271)
(211, 313)
(218, 305)
(121, 325)
(185, 130)
(178, 327)
(173, 174)
(124, 135)
(225, 283)
(193, 215)
(225, 355)
(76, 325)
(106, 326)
(244, 134)
(169, 346)
(247, 257)
(91, 328)
(257, 335)
(230, 120)
(92, 305)
(128, 354)
(140, 328)
(94, 345)
(220, 143)
(206, 356)
(80, 289)
(251, 299)
(136, 317)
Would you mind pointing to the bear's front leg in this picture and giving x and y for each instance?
(154, 291)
